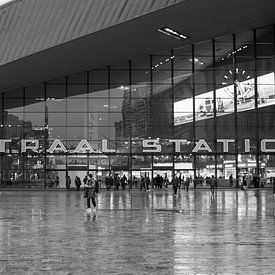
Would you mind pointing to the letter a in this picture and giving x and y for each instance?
(201, 145)
(57, 146)
(83, 147)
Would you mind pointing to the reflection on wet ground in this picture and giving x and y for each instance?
(47, 232)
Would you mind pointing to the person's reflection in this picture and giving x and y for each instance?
(175, 202)
(166, 199)
(124, 204)
(68, 199)
(259, 203)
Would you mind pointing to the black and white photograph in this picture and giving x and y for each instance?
(137, 137)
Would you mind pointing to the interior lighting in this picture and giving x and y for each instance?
(197, 61)
(173, 33)
(124, 88)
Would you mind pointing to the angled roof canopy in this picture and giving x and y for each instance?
(42, 40)
(28, 27)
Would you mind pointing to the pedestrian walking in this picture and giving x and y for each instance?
(212, 185)
(68, 182)
(142, 184)
(231, 180)
(77, 182)
(153, 183)
(57, 182)
(175, 185)
(90, 192)
(123, 182)
(244, 184)
(158, 181)
(135, 181)
(166, 182)
(107, 183)
(147, 183)
(85, 180)
(116, 182)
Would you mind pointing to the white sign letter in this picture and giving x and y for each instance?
(201, 145)
(247, 145)
(225, 143)
(83, 147)
(3, 144)
(263, 145)
(105, 147)
(57, 146)
(151, 143)
(29, 144)
(177, 143)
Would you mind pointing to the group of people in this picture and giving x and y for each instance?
(254, 181)
(177, 182)
(145, 183)
(116, 181)
(77, 182)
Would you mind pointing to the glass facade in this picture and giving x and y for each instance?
(209, 107)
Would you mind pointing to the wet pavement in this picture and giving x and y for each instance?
(47, 232)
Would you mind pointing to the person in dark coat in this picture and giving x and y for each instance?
(147, 183)
(57, 182)
(142, 184)
(68, 182)
(77, 182)
(231, 181)
(116, 182)
(91, 190)
(175, 185)
(212, 185)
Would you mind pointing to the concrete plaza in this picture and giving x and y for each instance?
(47, 232)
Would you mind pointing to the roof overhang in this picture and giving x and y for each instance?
(199, 19)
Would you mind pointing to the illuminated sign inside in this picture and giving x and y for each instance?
(148, 146)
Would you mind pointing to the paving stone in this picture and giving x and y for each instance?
(43, 232)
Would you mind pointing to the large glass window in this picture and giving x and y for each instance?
(216, 96)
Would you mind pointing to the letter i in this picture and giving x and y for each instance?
(247, 145)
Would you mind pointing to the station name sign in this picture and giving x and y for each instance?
(148, 146)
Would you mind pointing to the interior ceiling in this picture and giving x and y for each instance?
(199, 19)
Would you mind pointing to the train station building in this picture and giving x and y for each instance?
(134, 88)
